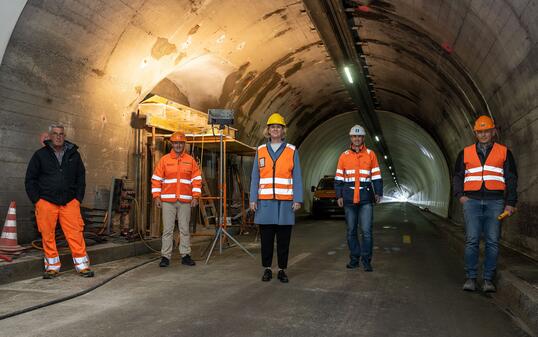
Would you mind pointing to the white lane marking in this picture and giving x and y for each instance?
(298, 258)
(332, 252)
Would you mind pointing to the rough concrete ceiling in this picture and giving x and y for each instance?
(437, 63)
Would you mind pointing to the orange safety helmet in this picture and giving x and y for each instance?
(178, 136)
(483, 123)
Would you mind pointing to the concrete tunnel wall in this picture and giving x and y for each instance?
(436, 63)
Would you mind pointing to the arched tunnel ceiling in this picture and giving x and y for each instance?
(438, 63)
(420, 167)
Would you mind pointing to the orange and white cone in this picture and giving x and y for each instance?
(8, 240)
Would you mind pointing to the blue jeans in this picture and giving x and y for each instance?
(481, 216)
(359, 214)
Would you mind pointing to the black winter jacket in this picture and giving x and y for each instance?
(46, 179)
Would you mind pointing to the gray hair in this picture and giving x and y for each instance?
(56, 126)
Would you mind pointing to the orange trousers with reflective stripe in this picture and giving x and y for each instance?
(47, 215)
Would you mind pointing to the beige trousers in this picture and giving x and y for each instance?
(171, 211)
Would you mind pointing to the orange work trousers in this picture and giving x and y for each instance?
(47, 215)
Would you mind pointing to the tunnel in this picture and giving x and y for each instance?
(416, 74)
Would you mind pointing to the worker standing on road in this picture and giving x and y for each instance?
(276, 192)
(55, 182)
(176, 186)
(485, 183)
(358, 185)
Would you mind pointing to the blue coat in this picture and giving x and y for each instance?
(276, 212)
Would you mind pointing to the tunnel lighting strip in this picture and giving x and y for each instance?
(377, 138)
(348, 74)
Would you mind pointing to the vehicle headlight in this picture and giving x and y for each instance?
(316, 198)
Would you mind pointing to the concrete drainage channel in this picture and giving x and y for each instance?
(517, 277)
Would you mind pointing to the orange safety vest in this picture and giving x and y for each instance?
(276, 177)
(176, 178)
(492, 173)
(357, 167)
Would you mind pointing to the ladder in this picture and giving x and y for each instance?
(207, 206)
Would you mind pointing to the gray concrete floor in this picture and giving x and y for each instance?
(414, 291)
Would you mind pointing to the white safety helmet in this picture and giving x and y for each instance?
(357, 130)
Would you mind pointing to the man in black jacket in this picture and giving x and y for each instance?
(485, 183)
(55, 182)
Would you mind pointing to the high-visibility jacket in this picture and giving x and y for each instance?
(491, 173)
(276, 177)
(358, 171)
(176, 178)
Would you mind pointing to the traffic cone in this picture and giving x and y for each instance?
(8, 240)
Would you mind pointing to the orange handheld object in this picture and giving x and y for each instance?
(503, 215)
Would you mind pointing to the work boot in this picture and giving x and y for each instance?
(352, 264)
(282, 276)
(186, 260)
(87, 273)
(50, 274)
(488, 287)
(470, 284)
(165, 262)
(367, 265)
(267, 275)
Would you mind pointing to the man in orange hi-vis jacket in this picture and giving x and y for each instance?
(176, 186)
(358, 184)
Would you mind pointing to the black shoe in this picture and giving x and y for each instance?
(165, 262)
(282, 276)
(470, 284)
(367, 265)
(488, 287)
(50, 274)
(352, 264)
(267, 275)
(186, 260)
(87, 273)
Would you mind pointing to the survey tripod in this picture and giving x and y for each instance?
(221, 231)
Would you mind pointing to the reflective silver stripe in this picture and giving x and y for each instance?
(349, 179)
(377, 176)
(290, 146)
(153, 190)
(52, 260)
(375, 169)
(185, 181)
(77, 260)
(168, 196)
(51, 267)
(265, 191)
(353, 187)
(350, 171)
(339, 171)
(282, 181)
(493, 169)
(10, 236)
(364, 179)
(10, 223)
(11, 211)
(474, 170)
(170, 181)
(196, 178)
(196, 189)
(497, 178)
(338, 178)
(186, 197)
(155, 177)
(472, 178)
(364, 171)
(262, 146)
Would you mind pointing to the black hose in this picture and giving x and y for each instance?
(80, 293)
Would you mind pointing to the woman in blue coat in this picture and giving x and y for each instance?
(276, 192)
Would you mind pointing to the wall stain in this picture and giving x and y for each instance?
(180, 57)
(295, 68)
(194, 30)
(162, 48)
(278, 11)
(282, 32)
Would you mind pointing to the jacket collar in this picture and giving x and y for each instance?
(68, 146)
(362, 148)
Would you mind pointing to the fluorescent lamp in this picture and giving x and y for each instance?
(377, 138)
(386, 157)
(348, 74)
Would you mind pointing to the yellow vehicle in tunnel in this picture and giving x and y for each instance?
(324, 199)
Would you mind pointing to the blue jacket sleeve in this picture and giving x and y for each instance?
(254, 180)
(297, 179)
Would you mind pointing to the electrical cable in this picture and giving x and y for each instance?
(69, 297)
